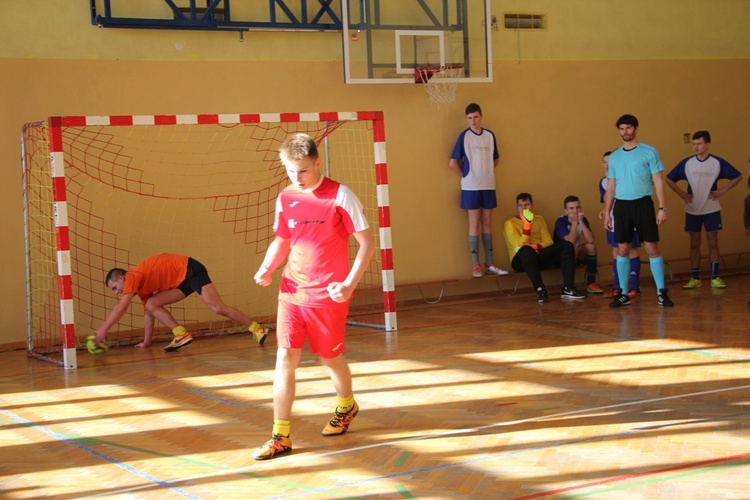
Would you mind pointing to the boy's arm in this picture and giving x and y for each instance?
(341, 292)
(544, 233)
(572, 235)
(723, 191)
(114, 317)
(275, 255)
(148, 329)
(587, 234)
(455, 166)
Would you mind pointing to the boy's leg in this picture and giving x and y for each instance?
(284, 383)
(695, 255)
(635, 271)
(155, 307)
(209, 294)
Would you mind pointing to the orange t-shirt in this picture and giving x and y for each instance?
(159, 272)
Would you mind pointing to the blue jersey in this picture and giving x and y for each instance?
(632, 170)
(562, 228)
(478, 153)
(702, 177)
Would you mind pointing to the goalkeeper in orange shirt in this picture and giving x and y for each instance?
(531, 249)
(165, 279)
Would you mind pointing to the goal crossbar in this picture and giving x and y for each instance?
(107, 191)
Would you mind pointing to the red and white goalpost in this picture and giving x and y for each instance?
(108, 191)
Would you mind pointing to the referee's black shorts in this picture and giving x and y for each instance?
(635, 215)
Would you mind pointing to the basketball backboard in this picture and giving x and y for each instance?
(385, 41)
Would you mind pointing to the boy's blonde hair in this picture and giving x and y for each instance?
(299, 146)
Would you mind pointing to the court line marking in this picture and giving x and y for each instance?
(292, 459)
(722, 464)
(107, 458)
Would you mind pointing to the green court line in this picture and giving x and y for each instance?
(402, 459)
(404, 492)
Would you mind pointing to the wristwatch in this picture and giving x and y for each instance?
(663, 209)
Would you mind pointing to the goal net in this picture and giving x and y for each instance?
(105, 192)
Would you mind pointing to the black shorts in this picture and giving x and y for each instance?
(635, 215)
(195, 278)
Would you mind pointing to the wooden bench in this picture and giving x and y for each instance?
(513, 277)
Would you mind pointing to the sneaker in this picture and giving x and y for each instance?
(634, 292)
(663, 300)
(178, 342)
(621, 300)
(493, 269)
(612, 293)
(477, 272)
(718, 283)
(594, 288)
(541, 295)
(572, 294)
(693, 283)
(274, 446)
(259, 333)
(340, 422)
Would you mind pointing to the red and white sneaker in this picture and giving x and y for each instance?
(493, 269)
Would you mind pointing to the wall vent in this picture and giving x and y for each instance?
(525, 21)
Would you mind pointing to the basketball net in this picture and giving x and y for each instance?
(440, 82)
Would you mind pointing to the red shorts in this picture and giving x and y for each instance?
(323, 327)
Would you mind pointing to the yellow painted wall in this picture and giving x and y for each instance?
(679, 66)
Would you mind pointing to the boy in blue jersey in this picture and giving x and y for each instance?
(702, 172)
(474, 158)
(574, 227)
(635, 173)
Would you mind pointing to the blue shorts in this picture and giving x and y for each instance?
(611, 240)
(694, 223)
(474, 200)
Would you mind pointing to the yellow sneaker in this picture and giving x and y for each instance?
(339, 423)
(274, 446)
(718, 283)
(693, 283)
(259, 333)
(178, 342)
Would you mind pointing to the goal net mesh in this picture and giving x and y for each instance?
(203, 190)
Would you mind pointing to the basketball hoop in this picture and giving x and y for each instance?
(440, 82)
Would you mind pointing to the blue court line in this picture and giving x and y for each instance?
(91, 451)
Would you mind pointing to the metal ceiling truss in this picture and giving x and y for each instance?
(312, 15)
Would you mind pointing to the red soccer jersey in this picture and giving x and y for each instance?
(159, 272)
(318, 221)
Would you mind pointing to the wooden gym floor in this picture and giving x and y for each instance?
(493, 397)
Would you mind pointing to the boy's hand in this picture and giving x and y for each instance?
(528, 215)
(263, 277)
(339, 292)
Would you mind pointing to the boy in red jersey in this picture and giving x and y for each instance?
(165, 279)
(314, 218)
